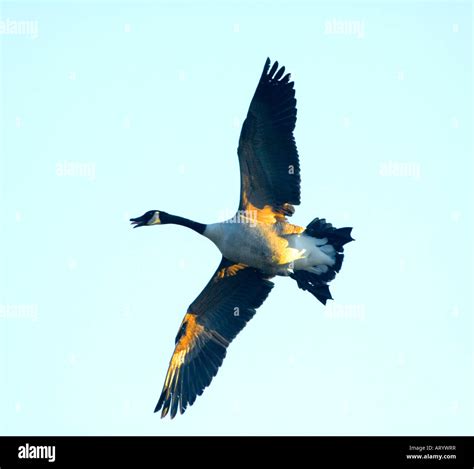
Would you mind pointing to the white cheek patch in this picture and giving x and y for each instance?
(155, 219)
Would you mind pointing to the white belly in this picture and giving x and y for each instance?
(244, 243)
(257, 247)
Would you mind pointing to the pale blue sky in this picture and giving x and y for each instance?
(112, 109)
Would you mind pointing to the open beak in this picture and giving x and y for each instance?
(136, 222)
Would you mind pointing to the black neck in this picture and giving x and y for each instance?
(194, 225)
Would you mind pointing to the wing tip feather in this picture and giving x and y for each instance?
(188, 378)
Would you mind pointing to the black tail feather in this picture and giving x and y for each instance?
(317, 284)
(337, 266)
(313, 284)
(319, 228)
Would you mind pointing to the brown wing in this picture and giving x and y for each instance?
(269, 165)
(217, 315)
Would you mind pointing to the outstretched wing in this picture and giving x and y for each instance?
(269, 165)
(215, 317)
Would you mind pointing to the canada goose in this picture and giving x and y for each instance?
(257, 244)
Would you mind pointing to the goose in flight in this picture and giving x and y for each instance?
(257, 244)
